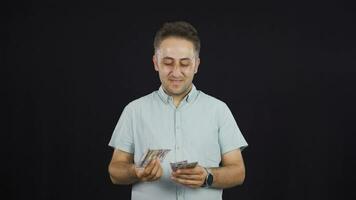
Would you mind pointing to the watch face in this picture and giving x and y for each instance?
(210, 179)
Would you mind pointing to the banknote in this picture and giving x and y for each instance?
(179, 164)
(151, 154)
(183, 165)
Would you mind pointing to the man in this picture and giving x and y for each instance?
(193, 125)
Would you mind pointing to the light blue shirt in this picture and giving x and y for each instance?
(201, 128)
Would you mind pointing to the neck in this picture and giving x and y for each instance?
(178, 98)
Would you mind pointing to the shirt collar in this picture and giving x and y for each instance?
(189, 97)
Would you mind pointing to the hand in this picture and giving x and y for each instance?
(151, 172)
(193, 177)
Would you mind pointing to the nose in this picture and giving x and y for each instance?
(176, 71)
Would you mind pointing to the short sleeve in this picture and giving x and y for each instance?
(122, 137)
(230, 136)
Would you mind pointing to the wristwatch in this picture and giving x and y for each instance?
(208, 179)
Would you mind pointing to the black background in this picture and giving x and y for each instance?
(286, 70)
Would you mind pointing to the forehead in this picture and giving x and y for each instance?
(176, 48)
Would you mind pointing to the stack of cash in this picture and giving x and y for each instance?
(183, 165)
(152, 154)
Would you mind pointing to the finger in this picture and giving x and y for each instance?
(194, 186)
(149, 167)
(158, 174)
(187, 181)
(154, 170)
(139, 172)
(194, 171)
(191, 177)
(183, 171)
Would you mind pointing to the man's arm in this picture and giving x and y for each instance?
(123, 171)
(121, 168)
(231, 173)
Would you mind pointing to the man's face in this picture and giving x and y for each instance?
(176, 62)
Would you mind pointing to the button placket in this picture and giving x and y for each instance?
(178, 134)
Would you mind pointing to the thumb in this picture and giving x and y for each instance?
(139, 172)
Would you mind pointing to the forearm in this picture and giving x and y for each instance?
(228, 176)
(122, 173)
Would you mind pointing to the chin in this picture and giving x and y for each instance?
(175, 91)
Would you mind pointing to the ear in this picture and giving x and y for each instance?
(197, 63)
(155, 62)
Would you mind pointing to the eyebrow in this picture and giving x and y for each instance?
(185, 59)
(170, 58)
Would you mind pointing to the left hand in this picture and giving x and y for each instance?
(193, 177)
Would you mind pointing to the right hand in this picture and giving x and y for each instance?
(151, 172)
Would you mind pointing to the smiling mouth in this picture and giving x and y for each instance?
(175, 81)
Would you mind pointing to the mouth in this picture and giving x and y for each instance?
(175, 82)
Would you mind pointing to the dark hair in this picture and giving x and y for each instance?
(180, 29)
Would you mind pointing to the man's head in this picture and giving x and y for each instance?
(176, 57)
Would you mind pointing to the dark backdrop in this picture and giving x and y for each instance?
(287, 72)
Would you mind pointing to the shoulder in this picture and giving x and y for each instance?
(211, 100)
(217, 107)
(141, 102)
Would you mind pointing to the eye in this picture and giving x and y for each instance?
(185, 63)
(168, 62)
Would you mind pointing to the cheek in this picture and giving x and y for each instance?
(164, 71)
(189, 71)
